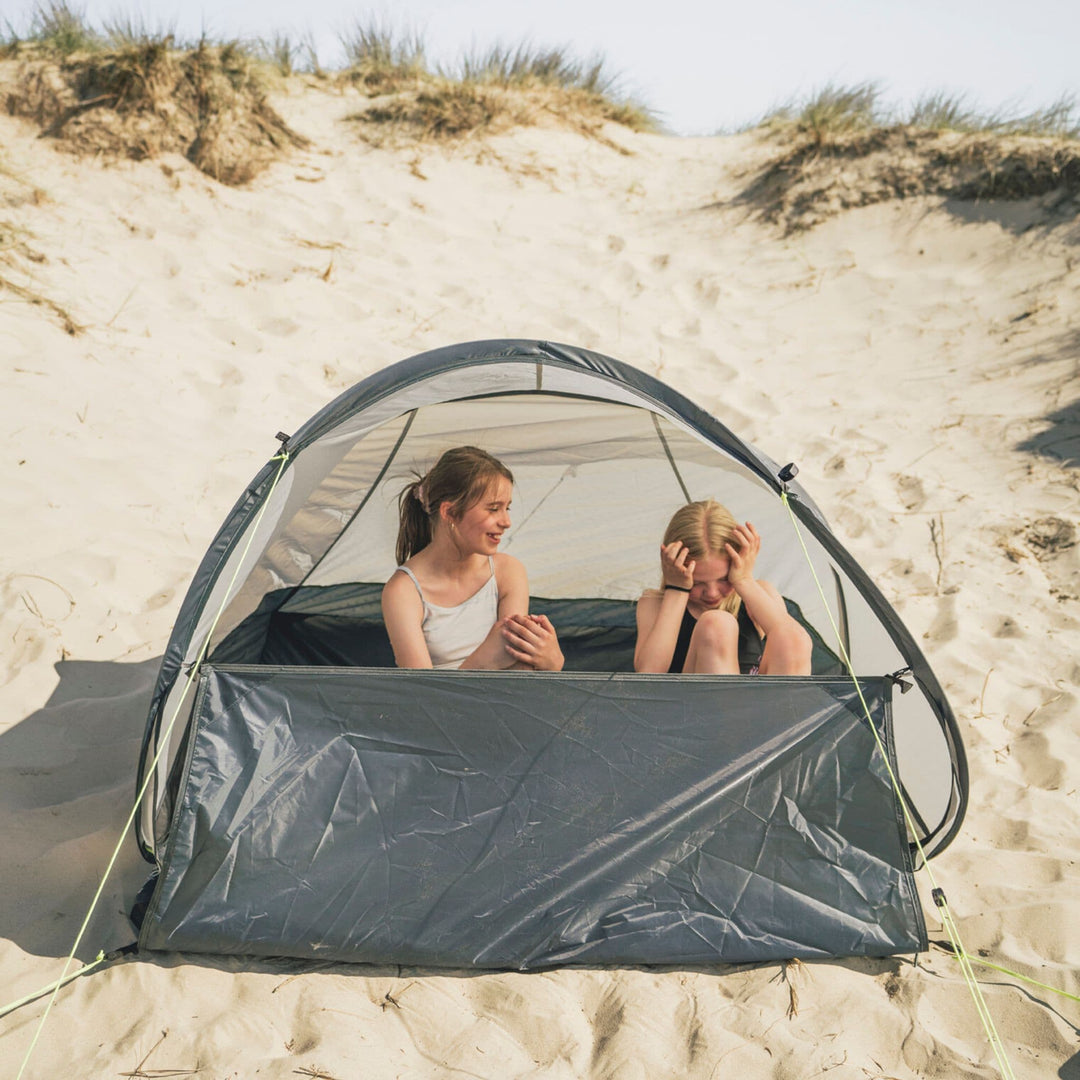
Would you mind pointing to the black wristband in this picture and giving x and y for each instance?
(677, 588)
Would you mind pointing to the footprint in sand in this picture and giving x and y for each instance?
(909, 490)
(944, 626)
(1040, 767)
(834, 466)
(1050, 536)
(606, 1024)
(708, 291)
(496, 1001)
(1011, 833)
(1053, 542)
(691, 1033)
(159, 600)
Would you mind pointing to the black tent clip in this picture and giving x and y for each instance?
(897, 677)
(788, 473)
(284, 440)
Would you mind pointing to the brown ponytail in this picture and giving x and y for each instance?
(460, 477)
(414, 529)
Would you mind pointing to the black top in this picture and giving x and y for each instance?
(751, 644)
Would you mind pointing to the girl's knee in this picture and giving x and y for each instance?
(791, 649)
(717, 629)
(714, 646)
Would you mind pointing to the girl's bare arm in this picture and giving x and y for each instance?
(403, 614)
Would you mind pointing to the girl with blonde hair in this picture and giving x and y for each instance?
(711, 615)
(455, 600)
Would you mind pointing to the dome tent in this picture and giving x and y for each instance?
(302, 799)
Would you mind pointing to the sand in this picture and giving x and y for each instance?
(917, 359)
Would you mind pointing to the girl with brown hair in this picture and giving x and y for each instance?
(455, 600)
(711, 615)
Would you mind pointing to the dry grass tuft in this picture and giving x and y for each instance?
(281, 53)
(842, 150)
(129, 90)
(382, 59)
(830, 112)
(61, 28)
(489, 91)
(443, 109)
(439, 110)
(138, 96)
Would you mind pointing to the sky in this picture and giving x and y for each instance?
(702, 66)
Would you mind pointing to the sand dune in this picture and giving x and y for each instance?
(918, 359)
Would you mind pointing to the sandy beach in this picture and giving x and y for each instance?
(917, 358)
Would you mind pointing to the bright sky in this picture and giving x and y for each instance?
(706, 66)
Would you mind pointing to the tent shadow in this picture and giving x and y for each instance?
(67, 786)
(291, 966)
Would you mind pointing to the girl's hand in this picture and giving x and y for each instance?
(743, 557)
(531, 640)
(676, 565)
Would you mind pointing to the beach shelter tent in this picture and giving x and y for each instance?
(303, 797)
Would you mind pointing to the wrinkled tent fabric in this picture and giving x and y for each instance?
(602, 455)
(451, 820)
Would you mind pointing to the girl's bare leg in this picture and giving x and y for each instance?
(787, 650)
(714, 646)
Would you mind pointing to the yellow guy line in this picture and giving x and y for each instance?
(163, 739)
(937, 893)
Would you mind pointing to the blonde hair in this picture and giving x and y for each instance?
(705, 528)
(462, 477)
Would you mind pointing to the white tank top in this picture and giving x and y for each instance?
(453, 633)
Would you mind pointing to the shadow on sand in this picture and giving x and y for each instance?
(1040, 215)
(67, 786)
(1061, 440)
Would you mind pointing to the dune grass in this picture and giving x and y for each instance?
(841, 147)
(130, 90)
(62, 28)
(828, 112)
(954, 112)
(484, 91)
(383, 58)
(835, 111)
(585, 85)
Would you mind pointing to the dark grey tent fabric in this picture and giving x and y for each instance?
(507, 820)
(342, 626)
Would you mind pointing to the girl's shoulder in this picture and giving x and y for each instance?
(401, 576)
(507, 568)
(648, 605)
(401, 588)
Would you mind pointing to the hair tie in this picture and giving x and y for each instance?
(418, 492)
